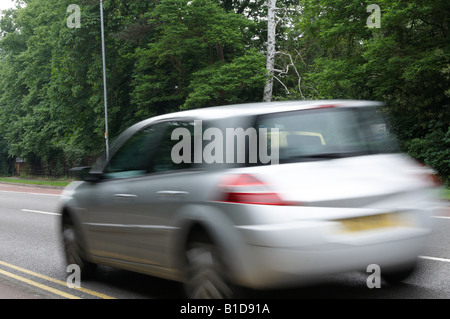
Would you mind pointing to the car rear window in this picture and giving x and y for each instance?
(326, 133)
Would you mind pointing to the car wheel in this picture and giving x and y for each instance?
(397, 275)
(204, 271)
(73, 249)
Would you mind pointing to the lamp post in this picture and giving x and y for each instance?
(104, 81)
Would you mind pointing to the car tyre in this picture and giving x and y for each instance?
(399, 274)
(205, 275)
(73, 249)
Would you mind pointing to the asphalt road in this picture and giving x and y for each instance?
(32, 266)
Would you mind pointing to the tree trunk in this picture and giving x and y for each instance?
(271, 27)
(219, 50)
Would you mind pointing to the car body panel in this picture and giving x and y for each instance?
(141, 223)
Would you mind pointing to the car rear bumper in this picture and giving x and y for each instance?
(296, 253)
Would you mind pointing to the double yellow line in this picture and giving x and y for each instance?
(44, 287)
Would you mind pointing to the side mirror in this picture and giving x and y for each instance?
(84, 173)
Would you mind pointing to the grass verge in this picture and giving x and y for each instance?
(34, 182)
(446, 194)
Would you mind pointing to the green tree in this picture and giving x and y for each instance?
(242, 80)
(51, 102)
(194, 41)
(405, 64)
(26, 51)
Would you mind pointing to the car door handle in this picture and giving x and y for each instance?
(124, 196)
(174, 195)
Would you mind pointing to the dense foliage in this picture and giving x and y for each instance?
(166, 55)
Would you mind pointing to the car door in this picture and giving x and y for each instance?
(110, 210)
(157, 197)
(132, 220)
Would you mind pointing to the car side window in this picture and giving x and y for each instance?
(133, 157)
(163, 159)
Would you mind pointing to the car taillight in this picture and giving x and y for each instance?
(430, 175)
(433, 178)
(246, 189)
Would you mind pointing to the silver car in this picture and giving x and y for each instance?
(264, 195)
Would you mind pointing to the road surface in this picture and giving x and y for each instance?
(32, 265)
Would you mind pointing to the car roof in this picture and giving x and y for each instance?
(247, 109)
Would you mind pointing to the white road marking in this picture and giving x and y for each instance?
(435, 258)
(39, 212)
(442, 217)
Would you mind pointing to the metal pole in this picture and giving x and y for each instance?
(104, 81)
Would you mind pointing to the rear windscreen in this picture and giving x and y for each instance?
(326, 133)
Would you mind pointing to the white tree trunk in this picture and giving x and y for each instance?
(270, 62)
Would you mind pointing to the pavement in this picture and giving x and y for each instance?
(11, 290)
(41, 189)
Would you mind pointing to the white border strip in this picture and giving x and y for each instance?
(435, 259)
(39, 212)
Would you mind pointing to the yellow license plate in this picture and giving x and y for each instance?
(364, 223)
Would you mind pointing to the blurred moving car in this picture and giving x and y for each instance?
(184, 197)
